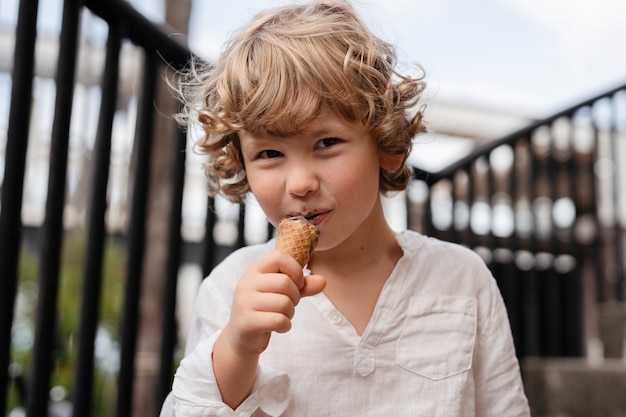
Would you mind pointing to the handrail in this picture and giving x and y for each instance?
(153, 36)
(481, 150)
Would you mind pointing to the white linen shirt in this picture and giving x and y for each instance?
(438, 344)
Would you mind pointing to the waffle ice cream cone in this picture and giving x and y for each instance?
(297, 237)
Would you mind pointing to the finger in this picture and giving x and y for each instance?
(279, 261)
(280, 284)
(288, 265)
(272, 322)
(313, 284)
(276, 303)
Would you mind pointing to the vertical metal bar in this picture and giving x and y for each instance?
(271, 229)
(538, 190)
(92, 277)
(453, 233)
(209, 242)
(571, 287)
(136, 244)
(471, 189)
(584, 196)
(531, 344)
(416, 212)
(449, 233)
(553, 300)
(429, 228)
(42, 363)
(489, 193)
(502, 262)
(408, 217)
(241, 226)
(618, 244)
(168, 337)
(533, 287)
(13, 184)
(515, 193)
(598, 245)
(463, 200)
(510, 280)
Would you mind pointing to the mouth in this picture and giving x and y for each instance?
(317, 218)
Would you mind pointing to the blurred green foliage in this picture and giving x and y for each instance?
(68, 317)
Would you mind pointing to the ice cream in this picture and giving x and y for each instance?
(297, 237)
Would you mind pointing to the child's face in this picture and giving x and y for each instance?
(328, 172)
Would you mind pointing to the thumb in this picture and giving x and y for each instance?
(313, 284)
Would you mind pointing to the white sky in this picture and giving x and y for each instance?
(527, 57)
(530, 57)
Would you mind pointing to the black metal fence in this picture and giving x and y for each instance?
(124, 24)
(543, 206)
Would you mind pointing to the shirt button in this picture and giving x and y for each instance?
(335, 318)
(263, 392)
(280, 396)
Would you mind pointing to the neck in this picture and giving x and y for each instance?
(356, 271)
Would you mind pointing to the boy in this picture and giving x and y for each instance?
(305, 111)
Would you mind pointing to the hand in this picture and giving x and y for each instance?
(264, 302)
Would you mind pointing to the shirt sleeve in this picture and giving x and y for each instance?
(195, 392)
(498, 383)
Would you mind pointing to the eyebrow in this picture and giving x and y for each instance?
(331, 130)
(320, 132)
(327, 129)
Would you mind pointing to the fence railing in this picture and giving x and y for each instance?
(543, 206)
(124, 24)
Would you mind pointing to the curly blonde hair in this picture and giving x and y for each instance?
(280, 71)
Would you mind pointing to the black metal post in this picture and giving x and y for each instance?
(168, 336)
(13, 183)
(92, 278)
(618, 236)
(52, 237)
(137, 238)
(154, 39)
(241, 226)
(209, 242)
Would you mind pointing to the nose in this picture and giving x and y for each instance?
(302, 179)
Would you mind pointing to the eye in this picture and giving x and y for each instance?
(327, 142)
(269, 154)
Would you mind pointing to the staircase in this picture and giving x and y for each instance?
(583, 387)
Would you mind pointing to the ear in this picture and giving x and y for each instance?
(391, 162)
